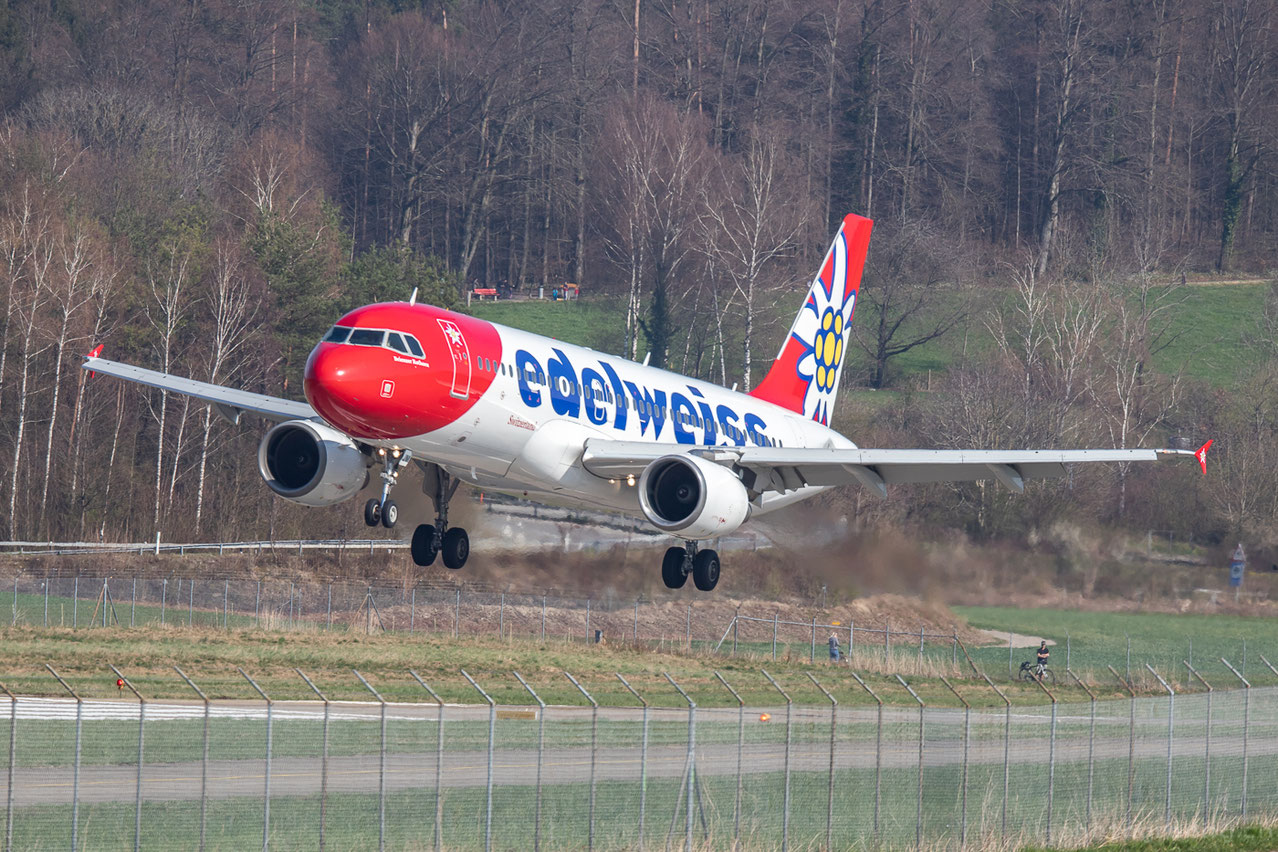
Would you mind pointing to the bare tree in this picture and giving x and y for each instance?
(759, 220)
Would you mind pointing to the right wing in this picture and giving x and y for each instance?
(783, 469)
(228, 402)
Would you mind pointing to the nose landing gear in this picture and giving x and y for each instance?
(431, 540)
(382, 509)
(679, 562)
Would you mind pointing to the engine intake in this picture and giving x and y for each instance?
(311, 464)
(692, 497)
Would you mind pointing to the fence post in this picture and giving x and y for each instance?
(1067, 649)
(1007, 747)
(323, 758)
(736, 632)
(1129, 657)
(266, 795)
(133, 607)
(587, 620)
(878, 756)
(789, 725)
(1171, 734)
(829, 802)
(439, 757)
(887, 641)
(1051, 759)
(967, 730)
(1010, 670)
(226, 608)
(190, 601)
(492, 730)
(643, 756)
(204, 759)
(412, 612)
(501, 618)
(75, 605)
(736, 802)
(137, 805)
(13, 749)
(918, 815)
(457, 615)
(257, 605)
(1091, 752)
(381, 765)
(774, 634)
(164, 597)
(1131, 742)
(75, 773)
(1246, 727)
(690, 769)
(543, 618)
(920, 643)
(812, 649)
(1207, 738)
(46, 602)
(541, 745)
(329, 625)
(594, 748)
(688, 633)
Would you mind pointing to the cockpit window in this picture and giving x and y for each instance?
(367, 337)
(396, 342)
(337, 335)
(413, 345)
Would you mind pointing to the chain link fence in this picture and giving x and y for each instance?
(202, 774)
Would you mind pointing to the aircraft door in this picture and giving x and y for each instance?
(460, 354)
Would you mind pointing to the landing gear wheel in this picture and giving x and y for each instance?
(423, 548)
(390, 514)
(456, 548)
(672, 568)
(372, 512)
(705, 570)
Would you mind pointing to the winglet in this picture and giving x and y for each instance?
(1201, 455)
(93, 353)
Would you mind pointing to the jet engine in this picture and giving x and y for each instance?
(311, 464)
(692, 498)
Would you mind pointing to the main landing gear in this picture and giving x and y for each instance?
(438, 539)
(382, 509)
(679, 562)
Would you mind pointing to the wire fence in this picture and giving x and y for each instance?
(201, 774)
(710, 626)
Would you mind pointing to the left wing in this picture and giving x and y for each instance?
(784, 469)
(229, 402)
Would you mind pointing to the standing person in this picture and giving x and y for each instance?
(834, 648)
(1042, 655)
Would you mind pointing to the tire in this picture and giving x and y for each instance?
(390, 514)
(672, 568)
(1049, 677)
(423, 547)
(455, 548)
(705, 570)
(372, 513)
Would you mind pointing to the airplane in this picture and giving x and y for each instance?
(513, 412)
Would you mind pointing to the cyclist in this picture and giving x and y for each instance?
(1042, 656)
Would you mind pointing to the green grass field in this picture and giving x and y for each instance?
(1164, 641)
(1209, 332)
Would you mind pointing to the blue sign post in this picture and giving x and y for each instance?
(1237, 567)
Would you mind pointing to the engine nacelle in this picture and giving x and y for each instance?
(692, 498)
(311, 464)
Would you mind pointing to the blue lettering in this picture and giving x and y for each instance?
(728, 420)
(682, 414)
(755, 426)
(529, 372)
(593, 385)
(618, 396)
(707, 418)
(564, 395)
(650, 406)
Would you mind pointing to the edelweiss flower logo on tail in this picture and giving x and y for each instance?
(805, 377)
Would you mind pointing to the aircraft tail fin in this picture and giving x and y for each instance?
(805, 376)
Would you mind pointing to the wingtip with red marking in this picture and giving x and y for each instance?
(1201, 455)
(94, 353)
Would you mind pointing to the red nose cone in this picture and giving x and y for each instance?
(359, 390)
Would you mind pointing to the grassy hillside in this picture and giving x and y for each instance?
(1209, 332)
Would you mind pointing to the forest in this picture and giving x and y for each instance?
(205, 185)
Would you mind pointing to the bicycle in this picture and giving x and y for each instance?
(1033, 672)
